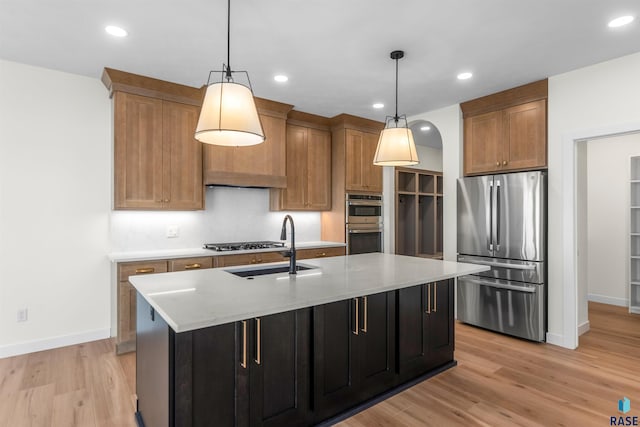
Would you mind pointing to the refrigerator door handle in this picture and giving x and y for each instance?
(490, 219)
(529, 289)
(498, 264)
(497, 215)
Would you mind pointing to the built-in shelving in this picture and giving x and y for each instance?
(419, 211)
(634, 235)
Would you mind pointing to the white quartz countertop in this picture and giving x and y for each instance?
(191, 300)
(198, 252)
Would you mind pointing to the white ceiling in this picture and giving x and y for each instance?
(335, 52)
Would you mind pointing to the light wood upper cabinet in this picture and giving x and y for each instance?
(360, 172)
(506, 131)
(483, 142)
(138, 152)
(525, 136)
(261, 165)
(308, 168)
(183, 157)
(157, 163)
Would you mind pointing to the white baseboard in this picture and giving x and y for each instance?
(49, 343)
(583, 327)
(555, 339)
(604, 299)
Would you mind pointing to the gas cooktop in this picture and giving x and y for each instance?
(242, 246)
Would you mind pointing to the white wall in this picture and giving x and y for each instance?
(582, 216)
(591, 101)
(55, 193)
(608, 226)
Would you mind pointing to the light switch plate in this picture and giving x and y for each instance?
(172, 231)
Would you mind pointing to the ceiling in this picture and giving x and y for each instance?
(335, 52)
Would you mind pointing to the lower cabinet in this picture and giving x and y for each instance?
(254, 372)
(354, 352)
(425, 328)
(295, 368)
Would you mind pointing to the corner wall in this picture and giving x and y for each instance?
(55, 197)
(593, 101)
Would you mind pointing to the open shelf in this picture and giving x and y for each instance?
(406, 182)
(634, 235)
(405, 220)
(419, 213)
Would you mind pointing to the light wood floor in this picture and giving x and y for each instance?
(498, 381)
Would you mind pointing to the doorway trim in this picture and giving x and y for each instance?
(569, 223)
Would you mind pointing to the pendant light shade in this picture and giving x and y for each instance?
(396, 146)
(229, 116)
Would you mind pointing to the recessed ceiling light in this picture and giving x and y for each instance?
(464, 76)
(620, 21)
(115, 31)
(425, 128)
(378, 105)
(280, 78)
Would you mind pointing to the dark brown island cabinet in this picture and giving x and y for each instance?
(312, 366)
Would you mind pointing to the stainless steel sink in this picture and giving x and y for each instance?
(266, 269)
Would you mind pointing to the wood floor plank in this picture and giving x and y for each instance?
(33, 407)
(73, 409)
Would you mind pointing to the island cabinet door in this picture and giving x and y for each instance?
(440, 323)
(334, 386)
(208, 376)
(279, 389)
(376, 344)
(425, 328)
(354, 352)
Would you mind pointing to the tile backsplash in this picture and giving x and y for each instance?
(231, 214)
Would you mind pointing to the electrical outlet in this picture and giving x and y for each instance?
(23, 315)
(172, 231)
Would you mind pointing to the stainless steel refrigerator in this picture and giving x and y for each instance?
(502, 222)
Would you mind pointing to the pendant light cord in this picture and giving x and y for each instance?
(396, 116)
(228, 40)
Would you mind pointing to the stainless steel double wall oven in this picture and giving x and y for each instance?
(364, 223)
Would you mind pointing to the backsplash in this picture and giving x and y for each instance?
(231, 215)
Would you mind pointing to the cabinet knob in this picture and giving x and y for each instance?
(497, 163)
(166, 200)
(504, 162)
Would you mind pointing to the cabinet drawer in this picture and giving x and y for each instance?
(183, 264)
(245, 259)
(144, 267)
(320, 252)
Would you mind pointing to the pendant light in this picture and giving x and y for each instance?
(396, 146)
(229, 115)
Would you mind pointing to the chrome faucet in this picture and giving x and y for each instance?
(291, 253)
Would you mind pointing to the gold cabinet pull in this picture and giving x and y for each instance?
(323, 254)
(428, 298)
(497, 163)
(504, 162)
(192, 266)
(145, 270)
(244, 345)
(356, 320)
(258, 339)
(253, 261)
(365, 315)
(435, 297)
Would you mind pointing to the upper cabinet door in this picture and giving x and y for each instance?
(353, 160)
(525, 136)
(297, 168)
(318, 177)
(372, 174)
(138, 152)
(361, 173)
(183, 157)
(483, 143)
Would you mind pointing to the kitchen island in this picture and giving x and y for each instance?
(218, 349)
